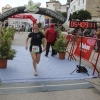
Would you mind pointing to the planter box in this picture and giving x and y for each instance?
(62, 55)
(3, 64)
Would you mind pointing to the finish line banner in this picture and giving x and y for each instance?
(87, 47)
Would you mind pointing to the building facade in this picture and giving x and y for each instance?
(56, 6)
(5, 8)
(90, 5)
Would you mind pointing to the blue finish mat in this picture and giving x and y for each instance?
(20, 69)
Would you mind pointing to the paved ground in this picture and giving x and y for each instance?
(77, 94)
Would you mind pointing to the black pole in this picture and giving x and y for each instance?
(80, 50)
(79, 67)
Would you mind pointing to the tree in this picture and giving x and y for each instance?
(54, 20)
(64, 14)
(81, 15)
(74, 15)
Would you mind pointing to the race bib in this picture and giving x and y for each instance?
(35, 48)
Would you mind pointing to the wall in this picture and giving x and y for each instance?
(77, 5)
(63, 8)
(50, 6)
(90, 5)
(56, 6)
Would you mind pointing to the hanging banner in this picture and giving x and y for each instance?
(68, 14)
(87, 47)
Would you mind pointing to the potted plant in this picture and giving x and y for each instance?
(61, 45)
(12, 32)
(6, 51)
(3, 30)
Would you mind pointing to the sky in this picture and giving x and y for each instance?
(16, 3)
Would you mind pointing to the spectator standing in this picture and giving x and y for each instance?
(51, 35)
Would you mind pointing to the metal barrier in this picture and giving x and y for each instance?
(88, 44)
(71, 40)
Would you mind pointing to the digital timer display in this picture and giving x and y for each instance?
(83, 24)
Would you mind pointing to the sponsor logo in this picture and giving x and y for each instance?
(32, 7)
(8, 13)
(53, 14)
(84, 46)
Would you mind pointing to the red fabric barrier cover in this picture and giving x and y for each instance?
(87, 47)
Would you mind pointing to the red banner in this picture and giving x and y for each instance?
(87, 47)
(24, 16)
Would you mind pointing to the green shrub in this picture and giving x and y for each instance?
(60, 44)
(6, 51)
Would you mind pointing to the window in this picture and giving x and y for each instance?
(78, 2)
(71, 10)
(74, 8)
(83, 1)
(47, 5)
